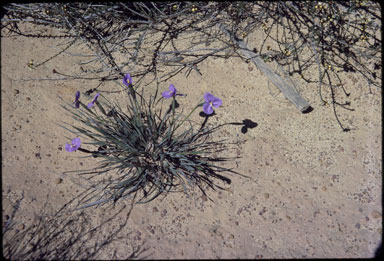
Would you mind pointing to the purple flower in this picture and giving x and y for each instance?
(210, 101)
(76, 102)
(127, 80)
(90, 105)
(76, 142)
(171, 93)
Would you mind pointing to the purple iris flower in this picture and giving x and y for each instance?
(127, 80)
(90, 105)
(210, 101)
(76, 142)
(77, 97)
(171, 93)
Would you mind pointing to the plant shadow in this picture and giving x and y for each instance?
(65, 235)
(246, 125)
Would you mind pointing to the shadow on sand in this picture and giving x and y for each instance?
(66, 235)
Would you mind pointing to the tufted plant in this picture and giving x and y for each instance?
(145, 152)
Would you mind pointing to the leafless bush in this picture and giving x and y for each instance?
(166, 38)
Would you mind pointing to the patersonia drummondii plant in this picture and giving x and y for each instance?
(145, 151)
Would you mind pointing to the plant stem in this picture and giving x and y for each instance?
(200, 104)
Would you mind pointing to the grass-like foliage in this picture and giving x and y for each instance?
(147, 151)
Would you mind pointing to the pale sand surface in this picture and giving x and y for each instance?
(313, 191)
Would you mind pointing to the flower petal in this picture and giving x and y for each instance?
(68, 147)
(207, 108)
(208, 97)
(96, 96)
(166, 94)
(172, 88)
(76, 102)
(216, 102)
(90, 105)
(76, 142)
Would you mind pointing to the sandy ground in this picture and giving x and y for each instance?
(313, 191)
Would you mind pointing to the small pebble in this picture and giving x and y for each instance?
(375, 214)
(20, 226)
(266, 195)
(58, 180)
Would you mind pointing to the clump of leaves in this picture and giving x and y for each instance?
(148, 151)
